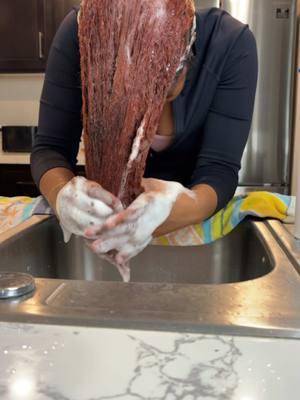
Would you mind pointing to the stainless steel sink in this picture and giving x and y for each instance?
(40, 251)
(243, 284)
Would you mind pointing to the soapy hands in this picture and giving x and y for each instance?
(84, 208)
(126, 233)
(82, 203)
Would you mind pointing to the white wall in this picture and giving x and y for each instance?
(19, 98)
(296, 161)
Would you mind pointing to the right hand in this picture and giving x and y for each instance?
(81, 204)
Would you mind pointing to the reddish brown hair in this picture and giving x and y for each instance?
(130, 50)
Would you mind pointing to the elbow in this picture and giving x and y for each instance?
(226, 189)
(43, 159)
(223, 179)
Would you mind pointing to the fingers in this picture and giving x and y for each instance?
(96, 191)
(124, 221)
(126, 247)
(130, 250)
(104, 246)
(76, 220)
(89, 193)
(82, 204)
(89, 205)
(117, 224)
(124, 271)
(74, 195)
(123, 268)
(66, 233)
(128, 215)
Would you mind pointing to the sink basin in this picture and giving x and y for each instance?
(243, 284)
(39, 250)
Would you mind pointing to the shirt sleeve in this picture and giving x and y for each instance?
(60, 122)
(227, 125)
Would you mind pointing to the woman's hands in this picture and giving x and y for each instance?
(86, 209)
(82, 203)
(126, 233)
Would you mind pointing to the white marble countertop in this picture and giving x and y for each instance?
(39, 362)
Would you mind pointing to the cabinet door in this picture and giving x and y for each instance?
(61, 8)
(22, 35)
(16, 180)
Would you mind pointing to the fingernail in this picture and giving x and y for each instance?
(96, 247)
(120, 259)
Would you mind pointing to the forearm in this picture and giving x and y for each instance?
(52, 182)
(190, 209)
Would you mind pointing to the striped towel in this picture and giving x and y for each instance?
(15, 210)
(254, 204)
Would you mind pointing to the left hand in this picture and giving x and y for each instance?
(128, 232)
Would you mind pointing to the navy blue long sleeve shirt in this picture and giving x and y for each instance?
(212, 115)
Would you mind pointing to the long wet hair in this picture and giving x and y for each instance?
(130, 52)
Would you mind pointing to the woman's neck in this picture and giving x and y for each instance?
(166, 124)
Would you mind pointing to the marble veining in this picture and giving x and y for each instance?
(212, 377)
(68, 363)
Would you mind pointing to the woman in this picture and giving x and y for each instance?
(192, 168)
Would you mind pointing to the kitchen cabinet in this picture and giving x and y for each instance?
(24, 28)
(16, 180)
(27, 29)
(60, 9)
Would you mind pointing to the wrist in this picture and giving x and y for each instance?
(52, 196)
(192, 207)
(52, 182)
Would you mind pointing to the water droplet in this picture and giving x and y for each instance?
(5, 352)
(269, 365)
(13, 371)
(249, 369)
(278, 378)
(45, 352)
(24, 347)
(62, 345)
(53, 347)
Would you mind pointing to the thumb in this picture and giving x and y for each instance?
(67, 234)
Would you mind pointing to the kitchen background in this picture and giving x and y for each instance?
(20, 93)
